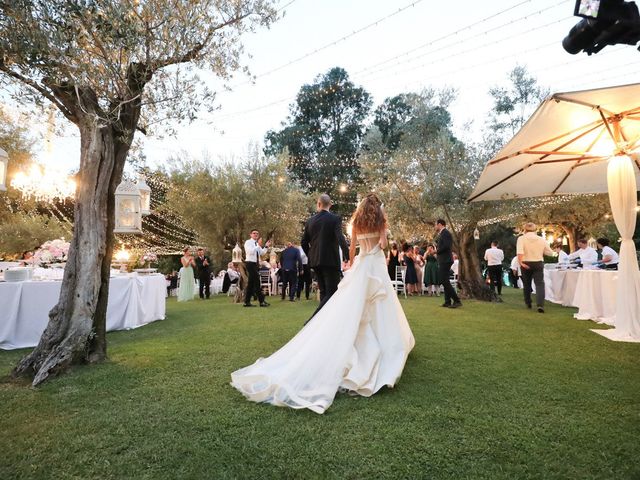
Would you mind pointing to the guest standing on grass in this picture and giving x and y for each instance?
(203, 265)
(393, 262)
(531, 249)
(445, 262)
(431, 279)
(291, 268)
(494, 257)
(410, 275)
(187, 282)
(253, 250)
(304, 280)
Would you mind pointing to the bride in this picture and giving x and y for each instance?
(359, 341)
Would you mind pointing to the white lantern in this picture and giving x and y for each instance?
(476, 234)
(236, 254)
(128, 216)
(4, 161)
(145, 196)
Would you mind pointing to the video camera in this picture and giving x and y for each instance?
(604, 22)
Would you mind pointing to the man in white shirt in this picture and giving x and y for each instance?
(494, 257)
(515, 271)
(610, 257)
(253, 250)
(563, 257)
(304, 280)
(587, 255)
(531, 249)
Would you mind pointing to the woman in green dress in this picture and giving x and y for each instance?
(431, 280)
(187, 287)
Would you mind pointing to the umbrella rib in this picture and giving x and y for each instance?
(595, 125)
(606, 124)
(561, 98)
(471, 199)
(562, 160)
(573, 167)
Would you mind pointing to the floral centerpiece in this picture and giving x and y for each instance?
(147, 259)
(52, 251)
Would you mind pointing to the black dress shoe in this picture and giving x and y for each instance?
(540, 310)
(529, 306)
(446, 305)
(456, 304)
(249, 305)
(292, 299)
(264, 304)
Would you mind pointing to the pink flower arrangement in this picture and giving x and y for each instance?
(148, 257)
(52, 251)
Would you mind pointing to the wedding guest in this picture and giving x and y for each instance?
(186, 290)
(253, 250)
(410, 275)
(304, 280)
(494, 257)
(172, 282)
(203, 265)
(419, 264)
(609, 255)
(393, 262)
(431, 279)
(231, 277)
(445, 264)
(563, 257)
(586, 255)
(515, 272)
(531, 249)
(27, 258)
(291, 269)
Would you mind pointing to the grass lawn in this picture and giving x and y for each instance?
(490, 391)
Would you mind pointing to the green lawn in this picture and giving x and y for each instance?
(490, 391)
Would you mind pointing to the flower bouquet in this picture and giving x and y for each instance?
(51, 252)
(147, 259)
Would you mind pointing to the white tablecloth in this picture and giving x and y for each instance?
(595, 296)
(24, 307)
(560, 286)
(216, 285)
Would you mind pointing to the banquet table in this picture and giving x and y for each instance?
(216, 285)
(560, 286)
(595, 296)
(134, 300)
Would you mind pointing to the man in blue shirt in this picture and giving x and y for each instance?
(291, 265)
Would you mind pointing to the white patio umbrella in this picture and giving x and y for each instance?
(581, 142)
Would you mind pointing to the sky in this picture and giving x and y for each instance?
(388, 47)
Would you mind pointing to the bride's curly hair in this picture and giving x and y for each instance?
(369, 215)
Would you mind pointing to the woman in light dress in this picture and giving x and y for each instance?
(187, 287)
(358, 342)
(419, 264)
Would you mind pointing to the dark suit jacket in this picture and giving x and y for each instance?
(290, 259)
(322, 235)
(445, 242)
(202, 270)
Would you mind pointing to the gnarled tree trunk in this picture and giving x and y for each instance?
(76, 332)
(469, 271)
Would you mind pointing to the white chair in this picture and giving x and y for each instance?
(398, 283)
(265, 281)
(453, 279)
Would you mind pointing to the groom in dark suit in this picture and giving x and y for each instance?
(320, 241)
(203, 266)
(445, 261)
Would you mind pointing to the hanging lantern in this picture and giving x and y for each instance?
(4, 161)
(476, 234)
(128, 216)
(145, 196)
(236, 254)
(565, 241)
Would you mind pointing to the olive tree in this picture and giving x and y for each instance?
(111, 68)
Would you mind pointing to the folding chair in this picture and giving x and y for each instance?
(265, 281)
(398, 283)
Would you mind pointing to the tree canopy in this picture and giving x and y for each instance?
(323, 134)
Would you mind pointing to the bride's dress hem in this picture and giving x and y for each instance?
(359, 341)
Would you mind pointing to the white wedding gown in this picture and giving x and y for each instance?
(359, 341)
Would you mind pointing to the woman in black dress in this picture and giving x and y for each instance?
(410, 276)
(392, 261)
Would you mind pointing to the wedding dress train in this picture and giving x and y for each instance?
(359, 341)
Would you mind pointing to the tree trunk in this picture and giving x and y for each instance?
(469, 271)
(76, 332)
